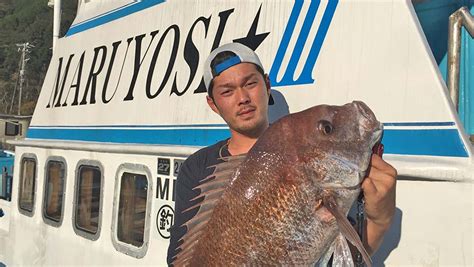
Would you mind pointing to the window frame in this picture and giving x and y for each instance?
(77, 230)
(46, 219)
(33, 157)
(129, 249)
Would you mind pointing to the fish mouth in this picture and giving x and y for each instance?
(374, 145)
(369, 123)
(376, 135)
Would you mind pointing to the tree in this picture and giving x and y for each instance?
(27, 21)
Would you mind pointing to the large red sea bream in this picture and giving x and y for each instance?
(285, 202)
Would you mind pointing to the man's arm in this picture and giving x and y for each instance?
(379, 192)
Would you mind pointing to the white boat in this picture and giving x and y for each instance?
(123, 104)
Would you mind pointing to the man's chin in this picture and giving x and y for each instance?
(250, 128)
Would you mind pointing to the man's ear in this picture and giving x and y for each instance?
(269, 90)
(212, 105)
(267, 83)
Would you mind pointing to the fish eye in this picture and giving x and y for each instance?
(325, 127)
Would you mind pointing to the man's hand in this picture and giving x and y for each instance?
(379, 192)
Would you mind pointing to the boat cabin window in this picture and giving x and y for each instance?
(54, 191)
(27, 185)
(132, 208)
(88, 201)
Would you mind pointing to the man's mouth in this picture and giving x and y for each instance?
(246, 111)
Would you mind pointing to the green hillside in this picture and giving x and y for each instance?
(27, 21)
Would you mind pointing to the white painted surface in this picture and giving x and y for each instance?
(433, 226)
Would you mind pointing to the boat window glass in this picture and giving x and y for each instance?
(54, 190)
(27, 184)
(12, 128)
(132, 208)
(131, 221)
(88, 198)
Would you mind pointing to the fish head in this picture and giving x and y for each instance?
(340, 141)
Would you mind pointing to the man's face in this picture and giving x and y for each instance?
(241, 98)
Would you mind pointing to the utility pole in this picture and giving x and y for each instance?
(24, 48)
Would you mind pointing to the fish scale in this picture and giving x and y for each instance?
(288, 212)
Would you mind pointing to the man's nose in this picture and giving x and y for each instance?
(243, 96)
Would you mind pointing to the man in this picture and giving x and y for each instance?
(239, 91)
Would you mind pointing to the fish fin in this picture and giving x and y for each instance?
(326, 256)
(342, 253)
(212, 188)
(346, 228)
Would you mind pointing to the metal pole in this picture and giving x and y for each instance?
(22, 73)
(468, 21)
(56, 22)
(462, 17)
(16, 86)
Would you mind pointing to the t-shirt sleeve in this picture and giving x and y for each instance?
(188, 178)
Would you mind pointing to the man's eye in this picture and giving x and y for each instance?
(226, 92)
(251, 84)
